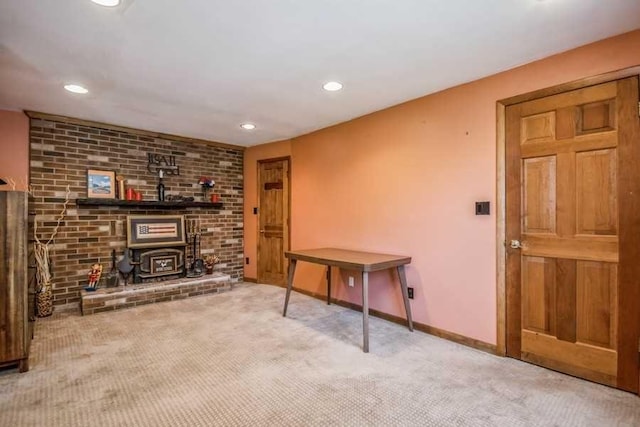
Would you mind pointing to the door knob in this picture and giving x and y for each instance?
(262, 231)
(515, 244)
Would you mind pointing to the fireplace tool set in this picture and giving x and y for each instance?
(195, 263)
(112, 277)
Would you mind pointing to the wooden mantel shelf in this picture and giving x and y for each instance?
(149, 204)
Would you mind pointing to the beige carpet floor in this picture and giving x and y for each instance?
(233, 360)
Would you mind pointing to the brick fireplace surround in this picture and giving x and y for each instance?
(61, 152)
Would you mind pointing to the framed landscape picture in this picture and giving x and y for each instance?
(101, 184)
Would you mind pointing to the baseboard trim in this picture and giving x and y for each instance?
(250, 279)
(431, 330)
(457, 338)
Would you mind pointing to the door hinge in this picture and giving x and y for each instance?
(638, 109)
(638, 345)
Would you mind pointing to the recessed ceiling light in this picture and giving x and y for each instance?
(108, 3)
(248, 126)
(332, 86)
(76, 89)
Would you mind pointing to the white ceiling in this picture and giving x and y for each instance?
(200, 68)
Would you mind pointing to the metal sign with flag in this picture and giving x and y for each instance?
(148, 231)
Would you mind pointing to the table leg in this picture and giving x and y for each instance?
(292, 270)
(328, 285)
(365, 311)
(405, 295)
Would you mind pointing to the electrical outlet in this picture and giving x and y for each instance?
(352, 281)
(410, 292)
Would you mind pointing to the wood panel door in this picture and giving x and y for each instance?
(273, 231)
(573, 232)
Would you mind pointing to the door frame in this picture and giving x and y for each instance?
(501, 225)
(287, 230)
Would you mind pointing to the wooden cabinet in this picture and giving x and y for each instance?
(16, 280)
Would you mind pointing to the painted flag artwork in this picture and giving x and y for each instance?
(156, 230)
(148, 231)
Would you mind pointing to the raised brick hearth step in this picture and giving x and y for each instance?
(109, 299)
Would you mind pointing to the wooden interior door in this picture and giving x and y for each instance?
(273, 231)
(573, 232)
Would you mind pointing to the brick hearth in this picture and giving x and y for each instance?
(110, 299)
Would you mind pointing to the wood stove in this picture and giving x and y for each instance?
(153, 265)
(158, 243)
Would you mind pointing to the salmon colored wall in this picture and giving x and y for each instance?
(404, 181)
(14, 149)
(251, 156)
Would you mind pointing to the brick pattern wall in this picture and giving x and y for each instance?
(60, 155)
